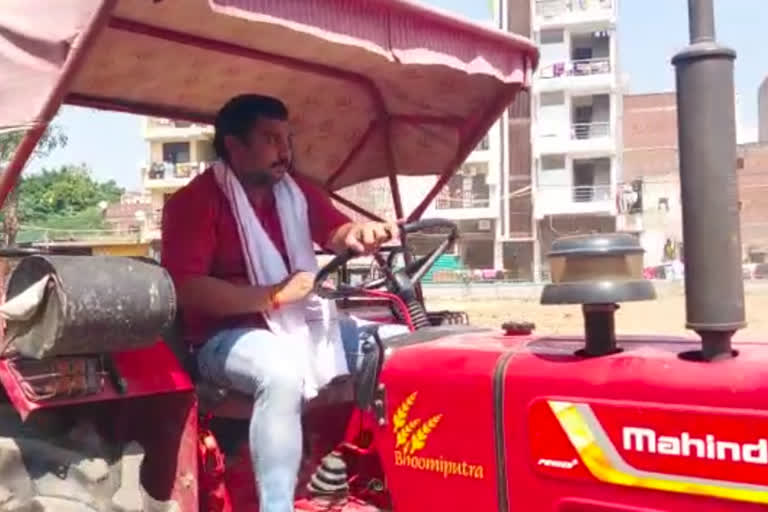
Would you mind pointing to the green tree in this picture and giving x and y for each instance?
(63, 199)
(63, 192)
(52, 138)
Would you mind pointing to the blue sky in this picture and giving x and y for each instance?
(650, 32)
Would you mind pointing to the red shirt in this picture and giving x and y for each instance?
(200, 238)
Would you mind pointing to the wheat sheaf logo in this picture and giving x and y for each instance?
(411, 435)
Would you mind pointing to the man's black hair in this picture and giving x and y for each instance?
(237, 116)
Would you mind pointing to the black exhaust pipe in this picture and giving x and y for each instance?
(707, 139)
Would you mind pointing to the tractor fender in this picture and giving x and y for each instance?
(145, 372)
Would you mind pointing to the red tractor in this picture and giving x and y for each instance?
(99, 412)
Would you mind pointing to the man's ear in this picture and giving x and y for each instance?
(233, 144)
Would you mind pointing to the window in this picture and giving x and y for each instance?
(467, 189)
(581, 53)
(552, 162)
(551, 36)
(740, 163)
(176, 152)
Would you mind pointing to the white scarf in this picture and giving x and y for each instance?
(311, 326)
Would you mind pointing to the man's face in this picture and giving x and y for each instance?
(263, 157)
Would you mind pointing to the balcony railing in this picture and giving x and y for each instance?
(461, 200)
(168, 170)
(159, 122)
(591, 193)
(583, 67)
(586, 131)
(586, 67)
(555, 8)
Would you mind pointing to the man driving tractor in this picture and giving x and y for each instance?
(238, 243)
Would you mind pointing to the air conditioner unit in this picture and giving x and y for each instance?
(484, 225)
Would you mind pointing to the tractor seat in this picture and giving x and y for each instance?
(225, 403)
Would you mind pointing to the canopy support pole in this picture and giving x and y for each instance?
(504, 98)
(352, 206)
(352, 154)
(20, 157)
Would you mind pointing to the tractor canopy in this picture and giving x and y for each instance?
(375, 88)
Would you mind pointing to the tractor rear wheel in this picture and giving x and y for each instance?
(56, 466)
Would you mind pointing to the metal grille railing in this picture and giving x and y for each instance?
(463, 200)
(554, 8)
(581, 131)
(576, 68)
(168, 170)
(591, 193)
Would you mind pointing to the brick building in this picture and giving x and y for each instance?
(125, 217)
(650, 135)
(752, 171)
(652, 180)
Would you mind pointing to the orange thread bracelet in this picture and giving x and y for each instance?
(274, 303)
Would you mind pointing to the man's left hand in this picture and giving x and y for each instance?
(367, 237)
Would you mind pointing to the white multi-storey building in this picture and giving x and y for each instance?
(560, 145)
(552, 163)
(577, 110)
(178, 151)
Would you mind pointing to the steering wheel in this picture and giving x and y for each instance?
(399, 283)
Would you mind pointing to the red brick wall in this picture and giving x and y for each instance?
(649, 162)
(755, 160)
(518, 256)
(753, 194)
(650, 135)
(520, 206)
(122, 217)
(650, 149)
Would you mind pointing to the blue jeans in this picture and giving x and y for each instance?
(256, 362)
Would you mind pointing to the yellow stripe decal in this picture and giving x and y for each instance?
(600, 457)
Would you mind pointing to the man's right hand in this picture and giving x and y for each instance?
(295, 287)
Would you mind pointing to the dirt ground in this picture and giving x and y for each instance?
(666, 315)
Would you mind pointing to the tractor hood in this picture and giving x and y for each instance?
(476, 416)
(439, 430)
